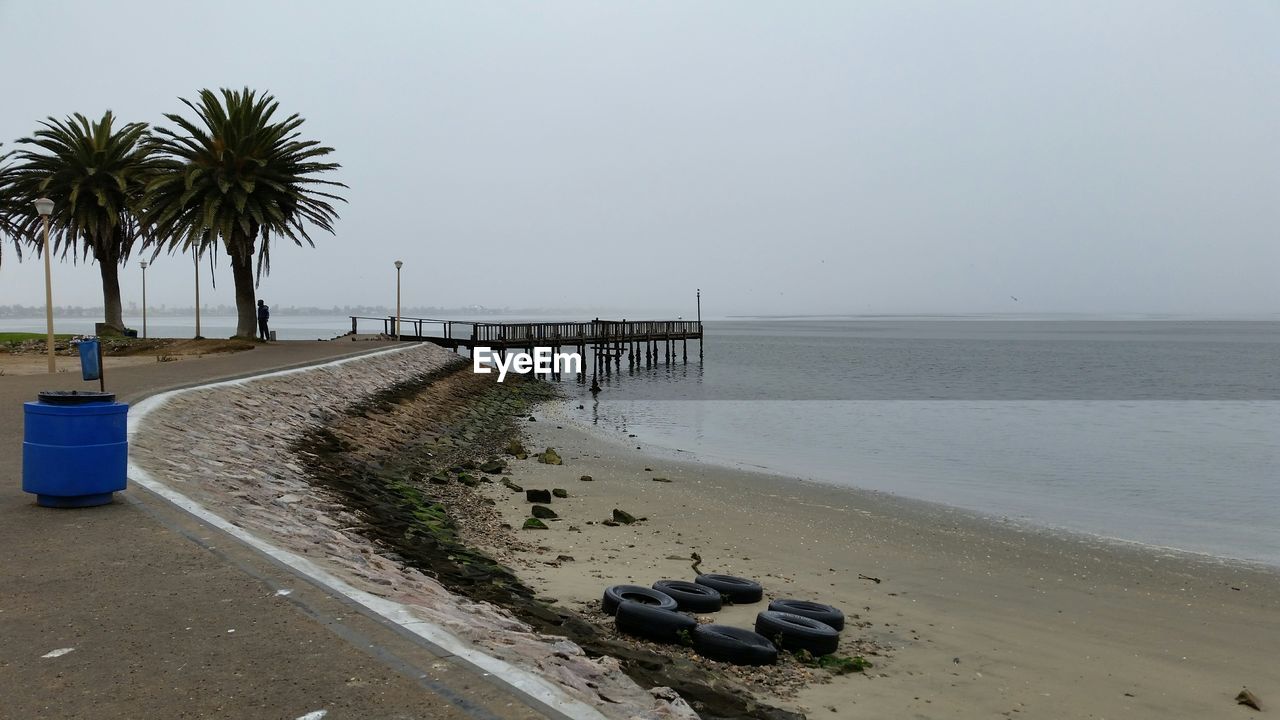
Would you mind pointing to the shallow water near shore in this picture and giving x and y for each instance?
(1161, 433)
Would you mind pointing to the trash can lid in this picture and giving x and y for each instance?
(75, 397)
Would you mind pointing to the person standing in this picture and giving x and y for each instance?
(264, 314)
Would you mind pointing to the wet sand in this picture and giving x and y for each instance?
(977, 618)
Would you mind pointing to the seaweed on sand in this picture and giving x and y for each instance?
(391, 496)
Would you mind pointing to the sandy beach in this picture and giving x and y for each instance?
(972, 617)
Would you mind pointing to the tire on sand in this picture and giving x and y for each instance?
(733, 645)
(643, 595)
(691, 596)
(817, 611)
(654, 623)
(739, 591)
(794, 633)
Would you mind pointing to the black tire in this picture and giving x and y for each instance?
(817, 611)
(646, 596)
(794, 633)
(654, 623)
(739, 591)
(733, 645)
(691, 596)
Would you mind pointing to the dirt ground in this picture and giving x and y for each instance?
(28, 357)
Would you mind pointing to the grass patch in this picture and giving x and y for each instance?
(14, 337)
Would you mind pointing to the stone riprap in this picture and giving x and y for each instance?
(231, 448)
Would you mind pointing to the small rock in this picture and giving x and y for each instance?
(493, 467)
(438, 479)
(543, 512)
(565, 558)
(586, 478)
(661, 480)
(515, 447)
(533, 419)
(468, 480)
(511, 486)
(534, 524)
(623, 516)
(1248, 699)
(537, 496)
(550, 457)
(648, 469)
(610, 523)
(560, 492)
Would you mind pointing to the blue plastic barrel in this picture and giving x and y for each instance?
(75, 449)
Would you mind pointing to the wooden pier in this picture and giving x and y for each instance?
(643, 342)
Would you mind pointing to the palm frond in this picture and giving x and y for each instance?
(95, 172)
(235, 175)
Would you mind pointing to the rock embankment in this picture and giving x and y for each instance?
(249, 451)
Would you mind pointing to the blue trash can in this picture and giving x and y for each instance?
(75, 450)
(90, 360)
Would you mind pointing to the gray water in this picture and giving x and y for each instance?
(299, 327)
(1162, 433)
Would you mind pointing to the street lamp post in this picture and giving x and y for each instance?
(197, 258)
(144, 298)
(399, 265)
(44, 206)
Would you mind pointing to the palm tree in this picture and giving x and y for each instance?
(95, 174)
(9, 211)
(235, 175)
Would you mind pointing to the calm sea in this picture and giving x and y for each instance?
(287, 327)
(1162, 432)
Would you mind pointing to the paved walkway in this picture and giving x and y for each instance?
(170, 618)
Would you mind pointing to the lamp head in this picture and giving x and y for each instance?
(44, 206)
(399, 264)
(143, 263)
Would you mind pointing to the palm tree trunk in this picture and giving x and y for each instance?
(113, 313)
(242, 274)
(246, 310)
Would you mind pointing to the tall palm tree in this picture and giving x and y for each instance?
(95, 174)
(236, 175)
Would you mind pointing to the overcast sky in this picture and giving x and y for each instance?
(786, 157)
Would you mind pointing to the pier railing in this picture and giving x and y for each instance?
(471, 334)
(414, 327)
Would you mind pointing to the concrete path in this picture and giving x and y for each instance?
(170, 618)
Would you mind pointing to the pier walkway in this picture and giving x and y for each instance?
(642, 342)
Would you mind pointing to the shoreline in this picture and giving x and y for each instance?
(915, 507)
(562, 412)
(1009, 617)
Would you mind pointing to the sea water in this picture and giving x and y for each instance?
(1158, 432)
